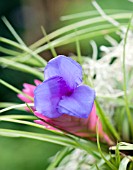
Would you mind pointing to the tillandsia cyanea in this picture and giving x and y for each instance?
(62, 91)
(62, 102)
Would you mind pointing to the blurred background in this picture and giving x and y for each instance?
(27, 17)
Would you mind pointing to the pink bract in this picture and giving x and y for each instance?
(29, 90)
(82, 127)
(85, 128)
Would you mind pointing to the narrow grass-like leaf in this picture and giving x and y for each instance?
(95, 49)
(97, 167)
(106, 123)
(8, 104)
(22, 44)
(124, 163)
(29, 107)
(12, 30)
(58, 158)
(82, 34)
(48, 41)
(12, 43)
(21, 67)
(77, 25)
(101, 162)
(90, 14)
(117, 155)
(70, 38)
(88, 146)
(123, 146)
(15, 106)
(102, 155)
(25, 59)
(27, 117)
(61, 140)
(8, 51)
(130, 166)
(78, 50)
(126, 144)
(103, 14)
(16, 119)
(125, 82)
(25, 49)
(15, 89)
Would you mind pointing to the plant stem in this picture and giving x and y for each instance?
(125, 81)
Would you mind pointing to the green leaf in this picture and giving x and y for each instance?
(71, 37)
(12, 30)
(77, 25)
(105, 122)
(103, 14)
(125, 81)
(8, 104)
(49, 43)
(8, 117)
(25, 49)
(15, 119)
(100, 163)
(61, 140)
(8, 51)
(58, 158)
(124, 163)
(78, 50)
(112, 166)
(117, 155)
(123, 146)
(15, 106)
(91, 14)
(21, 67)
(27, 60)
(14, 89)
(97, 167)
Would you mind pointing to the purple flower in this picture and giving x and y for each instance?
(62, 91)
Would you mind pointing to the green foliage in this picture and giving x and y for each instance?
(17, 57)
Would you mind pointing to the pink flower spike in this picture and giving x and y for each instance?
(23, 98)
(47, 126)
(28, 90)
(37, 82)
(81, 127)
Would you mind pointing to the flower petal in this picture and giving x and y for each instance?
(47, 96)
(64, 67)
(79, 104)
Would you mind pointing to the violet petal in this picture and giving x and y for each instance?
(64, 67)
(80, 102)
(47, 96)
